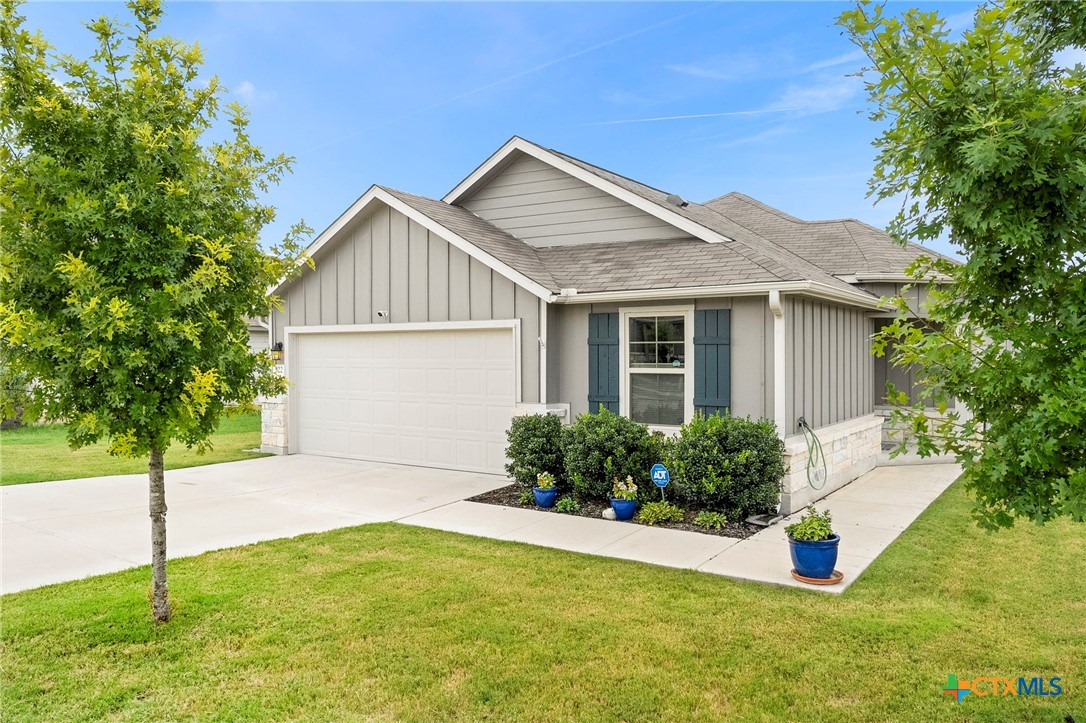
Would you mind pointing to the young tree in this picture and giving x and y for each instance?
(985, 139)
(130, 256)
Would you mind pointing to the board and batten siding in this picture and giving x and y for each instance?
(543, 206)
(829, 367)
(386, 262)
(751, 351)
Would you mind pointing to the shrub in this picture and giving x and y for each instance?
(535, 446)
(526, 499)
(653, 513)
(728, 464)
(600, 447)
(711, 520)
(567, 505)
(812, 527)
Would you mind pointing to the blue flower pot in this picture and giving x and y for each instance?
(545, 498)
(624, 509)
(814, 559)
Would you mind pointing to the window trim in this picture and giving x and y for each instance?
(625, 314)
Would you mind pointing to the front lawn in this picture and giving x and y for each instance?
(41, 453)
(393, 622)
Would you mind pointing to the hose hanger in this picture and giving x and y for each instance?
(816, 460)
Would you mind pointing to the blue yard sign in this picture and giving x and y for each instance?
(660, 475)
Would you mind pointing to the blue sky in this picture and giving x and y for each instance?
(414, 96)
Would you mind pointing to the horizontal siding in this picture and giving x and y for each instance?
(545, 207)
(828, 364)
(386, 262)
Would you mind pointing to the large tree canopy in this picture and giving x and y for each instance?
(130, 256)
(985, 139)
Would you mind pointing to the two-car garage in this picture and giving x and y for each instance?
(436, 395)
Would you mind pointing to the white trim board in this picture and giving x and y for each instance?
(516, 143)
(811, 288)
(376, 193)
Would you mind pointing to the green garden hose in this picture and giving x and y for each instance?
(816, 460)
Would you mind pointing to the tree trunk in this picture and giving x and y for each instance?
(160, 602)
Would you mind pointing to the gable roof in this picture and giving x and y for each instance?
(738, 245)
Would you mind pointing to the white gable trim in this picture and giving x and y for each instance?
(378, 194)
(693, 228)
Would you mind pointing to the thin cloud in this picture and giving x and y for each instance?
(692, 116)
(248, 92)
(820, 97)
(768, 134)
(852, 57)
(517, 76)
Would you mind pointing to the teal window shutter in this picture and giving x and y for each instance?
(712, 360)
(603, 362)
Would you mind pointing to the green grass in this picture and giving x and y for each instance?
(391, 622)
(41, 453)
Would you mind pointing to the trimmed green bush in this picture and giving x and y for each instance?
(728, 464)
(600, 447)
(653, 513)
(535, 446)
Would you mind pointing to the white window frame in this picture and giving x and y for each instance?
(687, 312)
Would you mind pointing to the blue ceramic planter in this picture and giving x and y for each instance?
(624, 509)
(814, 559)
(545, 498)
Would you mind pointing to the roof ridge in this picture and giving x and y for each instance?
(751, 201)
(856, 243)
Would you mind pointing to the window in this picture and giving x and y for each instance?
(656, 357)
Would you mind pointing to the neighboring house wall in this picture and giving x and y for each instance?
(258, 338)
(387, 262)
(751, 348)
(828, 363)
(543, 206)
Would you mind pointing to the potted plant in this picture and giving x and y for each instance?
(624, 498)
(813, 545)
(544, 491)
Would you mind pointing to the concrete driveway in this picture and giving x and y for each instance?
(58, 531)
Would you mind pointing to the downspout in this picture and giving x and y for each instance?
(779, 365)
(542, 351)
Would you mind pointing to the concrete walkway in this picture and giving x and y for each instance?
(58, 531)
(869, 514)
(66, 530)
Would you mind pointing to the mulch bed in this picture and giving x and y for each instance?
(510, 497)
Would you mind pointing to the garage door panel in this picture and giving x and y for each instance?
(434, 398)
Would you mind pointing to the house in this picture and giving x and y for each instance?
(543, 283)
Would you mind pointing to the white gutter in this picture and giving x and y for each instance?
(779, 362)
(897, 278)
(811, 288)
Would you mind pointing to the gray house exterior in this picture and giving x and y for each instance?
(542, 283)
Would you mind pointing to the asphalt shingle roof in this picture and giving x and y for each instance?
(844, 246)
(764, 245)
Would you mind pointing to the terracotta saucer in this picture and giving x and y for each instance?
(833, 579)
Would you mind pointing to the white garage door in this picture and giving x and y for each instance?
(432, 398)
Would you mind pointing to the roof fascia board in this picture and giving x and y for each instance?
(811, 288)
(376, 193)
(654, 209)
